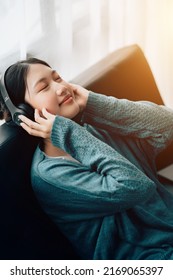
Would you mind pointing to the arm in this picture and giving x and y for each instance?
(101, 175)
(144, 120)
(110, 175)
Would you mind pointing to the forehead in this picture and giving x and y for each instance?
(37, 71)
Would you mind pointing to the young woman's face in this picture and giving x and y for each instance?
(46, 89)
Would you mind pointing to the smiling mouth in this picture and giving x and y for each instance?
(67, 99)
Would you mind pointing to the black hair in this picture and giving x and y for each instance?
(15, 82)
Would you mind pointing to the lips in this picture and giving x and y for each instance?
(65, 98)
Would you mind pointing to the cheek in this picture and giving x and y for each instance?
(41, 101)
(52, 107)
(49, 103)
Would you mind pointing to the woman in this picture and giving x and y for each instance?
(94, 172)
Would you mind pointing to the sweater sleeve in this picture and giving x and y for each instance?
(140, 119)
(106, 174)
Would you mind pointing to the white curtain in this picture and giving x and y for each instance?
(73, 34)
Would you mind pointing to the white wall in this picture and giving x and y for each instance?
(74, 34)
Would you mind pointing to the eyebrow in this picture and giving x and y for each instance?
(44, 78)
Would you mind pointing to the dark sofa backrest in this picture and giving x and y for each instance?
(124, 73)
(26, 232)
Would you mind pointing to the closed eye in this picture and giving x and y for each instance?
(59, 79)
(43, 87)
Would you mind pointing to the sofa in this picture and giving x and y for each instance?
(26, 231)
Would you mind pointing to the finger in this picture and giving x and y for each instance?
(74, 88)
(48, 115)
(37, 113)
(39, 118)
(30, 130)
(30, 123)
(39, 133)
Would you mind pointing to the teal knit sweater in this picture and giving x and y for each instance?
(108, 201)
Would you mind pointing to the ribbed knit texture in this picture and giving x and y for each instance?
(141, 119)
(109, 204)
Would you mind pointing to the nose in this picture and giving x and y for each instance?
(60, 89)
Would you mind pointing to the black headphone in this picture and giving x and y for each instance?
(22, 109)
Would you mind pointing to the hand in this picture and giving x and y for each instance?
(42, 126)
(81, 96)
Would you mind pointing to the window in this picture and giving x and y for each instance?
(71, 35)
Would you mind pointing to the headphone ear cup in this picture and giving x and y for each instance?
(27, 110)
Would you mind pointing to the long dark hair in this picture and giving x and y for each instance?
(15, 82)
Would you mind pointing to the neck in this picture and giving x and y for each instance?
(51, 150)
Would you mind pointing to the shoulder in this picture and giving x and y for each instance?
(55, 172)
